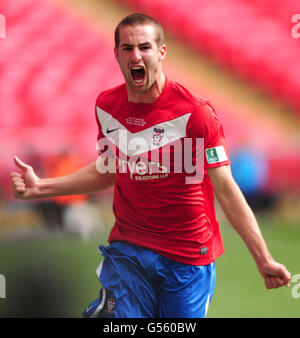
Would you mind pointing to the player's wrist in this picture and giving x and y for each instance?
(264, 261)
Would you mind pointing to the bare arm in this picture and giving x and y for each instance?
(27, 185)
(242, 219)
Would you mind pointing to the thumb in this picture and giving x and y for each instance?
(21, 164)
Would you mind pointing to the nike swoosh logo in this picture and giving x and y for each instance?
(108, 131)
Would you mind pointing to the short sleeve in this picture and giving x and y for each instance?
(104, 145)
(204, 123)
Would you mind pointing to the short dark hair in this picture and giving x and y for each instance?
(140, 19)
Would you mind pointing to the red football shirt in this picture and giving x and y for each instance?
(163, 197)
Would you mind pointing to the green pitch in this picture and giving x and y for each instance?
(240, 290)
(55, 277)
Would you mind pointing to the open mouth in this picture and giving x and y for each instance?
(138, 73)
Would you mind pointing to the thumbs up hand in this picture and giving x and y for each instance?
(24, 184)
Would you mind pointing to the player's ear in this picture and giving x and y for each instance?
(162, 52)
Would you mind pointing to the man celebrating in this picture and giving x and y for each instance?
(165, 240)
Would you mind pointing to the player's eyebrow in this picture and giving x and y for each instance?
(147, 43)
(126, 45)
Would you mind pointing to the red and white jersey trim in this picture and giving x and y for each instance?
(133, 144)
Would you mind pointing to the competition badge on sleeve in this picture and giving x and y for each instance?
(216, 155)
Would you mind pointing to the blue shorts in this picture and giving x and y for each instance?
(139, 283)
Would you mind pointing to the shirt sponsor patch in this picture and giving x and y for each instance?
(216, 155)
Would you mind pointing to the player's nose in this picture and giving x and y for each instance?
(136, 55)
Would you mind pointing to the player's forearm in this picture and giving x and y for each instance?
(84, 181)
(238, 213)
(242, 219)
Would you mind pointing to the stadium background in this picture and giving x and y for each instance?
(58, 55)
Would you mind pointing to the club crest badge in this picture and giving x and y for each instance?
(158, 135)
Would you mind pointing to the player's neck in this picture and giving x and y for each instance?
(149, 96)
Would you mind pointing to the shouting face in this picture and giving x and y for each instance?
(140, 60)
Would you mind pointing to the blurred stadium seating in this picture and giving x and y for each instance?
(251, 38)
(52, 67)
